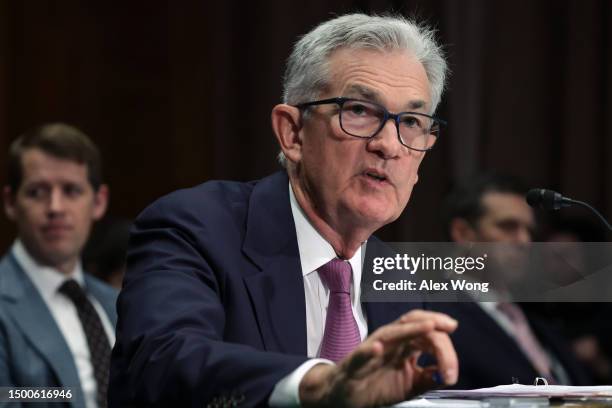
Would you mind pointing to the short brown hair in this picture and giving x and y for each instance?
(58, 140)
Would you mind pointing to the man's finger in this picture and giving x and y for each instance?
(442, 321)
(425, 379)
(414, 355)
(362, 356)
(403, 331)
(360, 363)
(384, 341)
(440, 345)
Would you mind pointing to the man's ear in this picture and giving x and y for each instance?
(9, 202)
(286, 123)
(462, 231)
(100, 202)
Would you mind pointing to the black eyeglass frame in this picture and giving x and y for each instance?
(340, 101)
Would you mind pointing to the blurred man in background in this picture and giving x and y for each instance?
(586, 324)
(511, 346)
(56, 323)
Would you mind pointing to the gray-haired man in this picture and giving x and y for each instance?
(247, 293)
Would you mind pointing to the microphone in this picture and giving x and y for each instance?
(551, 200)
(547, 199)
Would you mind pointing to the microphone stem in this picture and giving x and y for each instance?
(582, 203)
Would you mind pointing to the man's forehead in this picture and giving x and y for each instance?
(369, 94)
(383, 76)
(37, 164)
(506, 204)
(36, 156)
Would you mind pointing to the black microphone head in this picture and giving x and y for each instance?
(543, 198)
(534, 197)
(551, 200)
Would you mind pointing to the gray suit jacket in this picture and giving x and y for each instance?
(33, 352)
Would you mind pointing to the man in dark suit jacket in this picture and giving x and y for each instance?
(54, 194)
(480, 335)
(492, 208)
(225, 297)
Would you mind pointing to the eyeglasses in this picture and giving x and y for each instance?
(416, 131)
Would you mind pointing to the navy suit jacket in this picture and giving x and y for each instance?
(33, 351)
(213, 310)
(488, 356)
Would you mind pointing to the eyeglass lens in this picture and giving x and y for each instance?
(364, 119)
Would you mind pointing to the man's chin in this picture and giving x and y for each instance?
(56, 256)
(374, 217)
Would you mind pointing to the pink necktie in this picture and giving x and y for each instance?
(341, 332)
(526, 339)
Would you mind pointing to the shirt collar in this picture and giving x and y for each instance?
(46, 279)
(489, 306)
(315, 251)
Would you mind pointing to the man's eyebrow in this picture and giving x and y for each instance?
(371, 95)
(417, 104)
(364, 92)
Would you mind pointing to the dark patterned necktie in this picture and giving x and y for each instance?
(99, 346)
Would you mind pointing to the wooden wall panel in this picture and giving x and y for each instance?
(176, 93)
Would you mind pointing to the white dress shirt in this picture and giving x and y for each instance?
(47, 281)
(315, 252)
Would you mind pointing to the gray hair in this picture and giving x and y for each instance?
(307, 69)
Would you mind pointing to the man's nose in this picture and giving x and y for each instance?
(523, 235)
(56, 201)
(386, 142)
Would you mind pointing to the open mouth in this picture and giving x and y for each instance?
(375, 176)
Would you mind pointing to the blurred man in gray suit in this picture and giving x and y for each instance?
(56, 323)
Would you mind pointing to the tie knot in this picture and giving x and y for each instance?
(73, 291)
(336, 274)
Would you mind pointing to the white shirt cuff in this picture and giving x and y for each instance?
(286, 392)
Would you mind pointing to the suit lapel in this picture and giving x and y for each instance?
(103, 298)
(30, 313)
(277, 291)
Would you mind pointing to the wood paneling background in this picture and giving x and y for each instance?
(176, 93)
